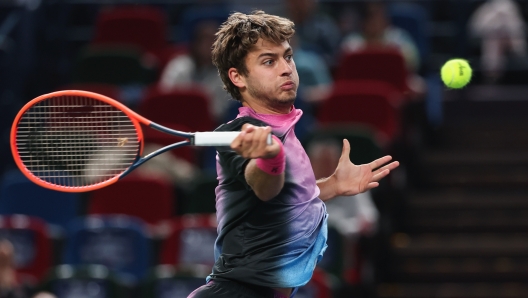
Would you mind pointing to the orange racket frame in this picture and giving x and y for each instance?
(196, 139)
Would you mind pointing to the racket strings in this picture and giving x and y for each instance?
(76, 141)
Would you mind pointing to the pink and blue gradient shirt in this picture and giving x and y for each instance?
(275, 243)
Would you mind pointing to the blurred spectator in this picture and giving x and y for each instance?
(315, 30)
(10, 283)
(315, 79)
(197, 67)
(353, 216)
(377, 31)
(348, 20)
(501, 28)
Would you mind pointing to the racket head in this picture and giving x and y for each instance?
(75, 141)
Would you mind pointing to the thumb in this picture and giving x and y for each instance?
(345, 153)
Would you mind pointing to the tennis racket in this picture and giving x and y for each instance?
(77, 141)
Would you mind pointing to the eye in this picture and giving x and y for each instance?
(289, 57)
(268, 62)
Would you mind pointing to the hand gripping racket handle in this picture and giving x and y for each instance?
(218, 138)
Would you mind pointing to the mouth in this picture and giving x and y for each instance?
(289, 85)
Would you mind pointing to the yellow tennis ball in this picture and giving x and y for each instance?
(456, 73)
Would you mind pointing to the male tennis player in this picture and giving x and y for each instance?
(270, 209)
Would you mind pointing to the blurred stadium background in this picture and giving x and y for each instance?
(452, 221)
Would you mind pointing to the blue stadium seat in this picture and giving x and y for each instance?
(118, 242)
(90, 281)
(190, 240)
(194, 15)
(18, 195)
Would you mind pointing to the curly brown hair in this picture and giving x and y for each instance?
(238, 34)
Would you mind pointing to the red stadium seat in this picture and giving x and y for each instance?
(321, 282)
(318, 287)
(32, 245)
(149, 199)
(140, 25)
(368, 103)
(143, 26)
(187, 106)
(190, 240)
(387, 65)
(116, 65)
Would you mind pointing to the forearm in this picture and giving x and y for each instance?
(327, 188)
(265, 186)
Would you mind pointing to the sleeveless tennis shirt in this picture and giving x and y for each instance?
(275, 243)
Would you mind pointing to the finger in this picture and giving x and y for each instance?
(371, 185)
(379, 162)
(237, 142)
(259, 142)
(258, 145)
(393, 165)
(248, 144)
(345, 153)
(377, 177)
(248, 127)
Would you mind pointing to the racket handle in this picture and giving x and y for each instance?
(218, 138)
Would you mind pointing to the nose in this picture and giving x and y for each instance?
(286, 67)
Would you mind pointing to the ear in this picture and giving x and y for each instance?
(236, 78)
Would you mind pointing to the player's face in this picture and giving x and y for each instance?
(272, 77)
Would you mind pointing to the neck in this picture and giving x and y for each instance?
(266, 109)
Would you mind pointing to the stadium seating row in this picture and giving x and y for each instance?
(109, 254)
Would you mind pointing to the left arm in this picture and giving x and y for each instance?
(350, 179)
